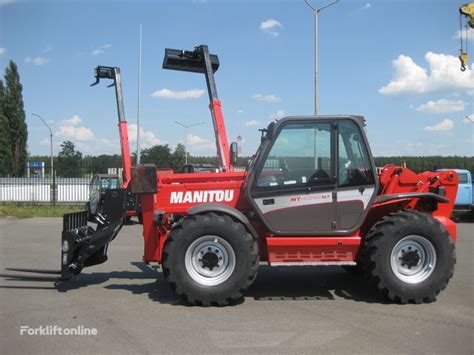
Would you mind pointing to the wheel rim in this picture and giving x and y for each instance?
(413, 259)
(210, 260)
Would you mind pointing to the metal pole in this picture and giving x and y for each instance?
(186, 137)
(316, 62)
(50, 138)
(185, 145)
(139, 94)
(315, 13)
(52, 162)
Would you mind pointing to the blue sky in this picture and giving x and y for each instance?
(393, 62)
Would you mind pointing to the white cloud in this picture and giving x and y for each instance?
(6, 2)
(73, 121)
(2, 51)
(266, 98)
(251, 123)
(443, 74)
(47, 49)
(442, 106)
(179, 95)
(197, 140)
(36, 60)
(69, 129)
(101, 49)
(270, 27)
(469, 118)
(45, 141)
(147, 138)
(403, 147)
(108, 144)
(201, 144)
(277, 115)
(240, 111)
(470, 34)
(363, 8)
(75, 133)
(443, 126)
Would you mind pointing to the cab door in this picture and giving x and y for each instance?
(293, 188)
(356, 185)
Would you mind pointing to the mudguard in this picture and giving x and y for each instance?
(217, 207)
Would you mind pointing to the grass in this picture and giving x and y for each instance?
(26, 211)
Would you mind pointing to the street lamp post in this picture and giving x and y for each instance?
(186, 137)
(50, 138)
(315, 13)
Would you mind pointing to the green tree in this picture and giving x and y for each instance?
(160, 155)
(69, 160)
(5, 148)
(178, 157)
(15, 115)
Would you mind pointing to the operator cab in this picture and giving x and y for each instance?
(313, 175)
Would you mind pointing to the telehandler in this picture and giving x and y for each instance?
(311, 195)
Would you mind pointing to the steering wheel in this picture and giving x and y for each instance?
(319, 174)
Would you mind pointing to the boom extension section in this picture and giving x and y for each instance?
(200, 61)
(113, 73)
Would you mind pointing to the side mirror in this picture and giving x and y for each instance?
(234, 152)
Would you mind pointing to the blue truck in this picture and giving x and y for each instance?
(464, 197)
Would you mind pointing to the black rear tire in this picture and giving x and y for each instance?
(233, 238)
(385, 268)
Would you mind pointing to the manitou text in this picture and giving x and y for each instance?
(202, 196)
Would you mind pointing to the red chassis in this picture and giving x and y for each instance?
(178, 193)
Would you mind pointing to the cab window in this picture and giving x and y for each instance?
(354, 168)
(300, 155)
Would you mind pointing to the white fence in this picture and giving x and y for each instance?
(67, 190)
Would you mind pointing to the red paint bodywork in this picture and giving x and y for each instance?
(221, 135)
(393, 179)
(125, 150)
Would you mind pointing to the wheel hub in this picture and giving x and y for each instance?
(413, 259)
(410, 258)
(210, 260)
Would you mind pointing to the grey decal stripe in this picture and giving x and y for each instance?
(288, 201)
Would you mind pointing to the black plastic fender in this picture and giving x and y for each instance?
(217, 207)
(424, 195)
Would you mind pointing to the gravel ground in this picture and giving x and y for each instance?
(287, 310)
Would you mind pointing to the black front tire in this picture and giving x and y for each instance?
(379, 257)
(234, 235)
